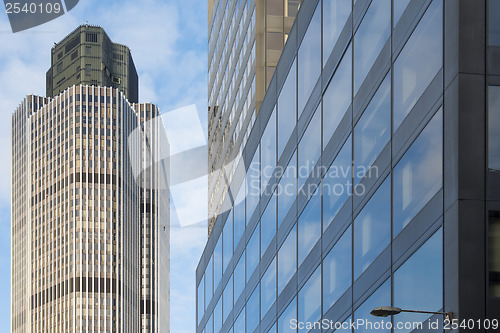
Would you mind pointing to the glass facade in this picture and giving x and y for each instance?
(364, 229)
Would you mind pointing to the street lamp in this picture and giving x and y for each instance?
(384, 311)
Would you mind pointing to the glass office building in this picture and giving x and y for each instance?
(370, 176)
(244, 44)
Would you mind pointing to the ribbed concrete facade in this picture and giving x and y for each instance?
(89, 232)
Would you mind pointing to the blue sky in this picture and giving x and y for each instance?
(168, 40)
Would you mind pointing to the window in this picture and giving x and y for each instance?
(337, 270)
(494, 254)
(239, 323)
(227, 241)
(252, 253)
(91, 37)
(337, 184)
(228, 299)
(209, 328)
(370, 38)
(381, 297)
(399, 8)
(493, 23)
(287, 260)
(88, 69)
(292, 7)
(268, 290)
(418, 62)
(218, 263)
(252, 306)
(309, 304)
(201, 299)
(309, 57)
(239, 215)
(337, 97)
(418, 283)
(418, 176)
(287, 109)
(287, 188)
(218, 316)
(335, 15)
(253, 186)
(209, 278)
(59, 67)
(372, 228)
(309, 150)
(239, 277)
(286, 317)
(268, 151)
(268, 225)
(88, 50)
(372, 132)
(494, 127)
(309, 226)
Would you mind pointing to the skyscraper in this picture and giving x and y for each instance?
(244, 44)
(88, 56)
(90, 205)
(370, 177)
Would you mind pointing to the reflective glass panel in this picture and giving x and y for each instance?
(418, 176)
(227, 241)
(209, 280)
(309, 305)
(273, 329)
(381, 297)
(309, 225)
(493, 22)
(268, 289)
(418, 283)
(228, 298)
(372, 132)
(287, 188)
(201, 299)
(370, 38)
(494, 254)
(218, 316)
(209, 328)
(309, 58)
(399, 8)
(218, 263)
(494, 127)
(239, 277)
(239, 216)
(372, 228)
(287, 109)
(337, 184)
(239, 324)
(287, 317)
(287, 259)
(268, 151)
(335, 15)
(337, 270)
(337, 97)
(268, 225)
(253, 185)
(418, 62)
(253, 316)
(253, 255)
(309, 147)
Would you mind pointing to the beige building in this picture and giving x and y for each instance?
(245, 40)
(90, 213)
